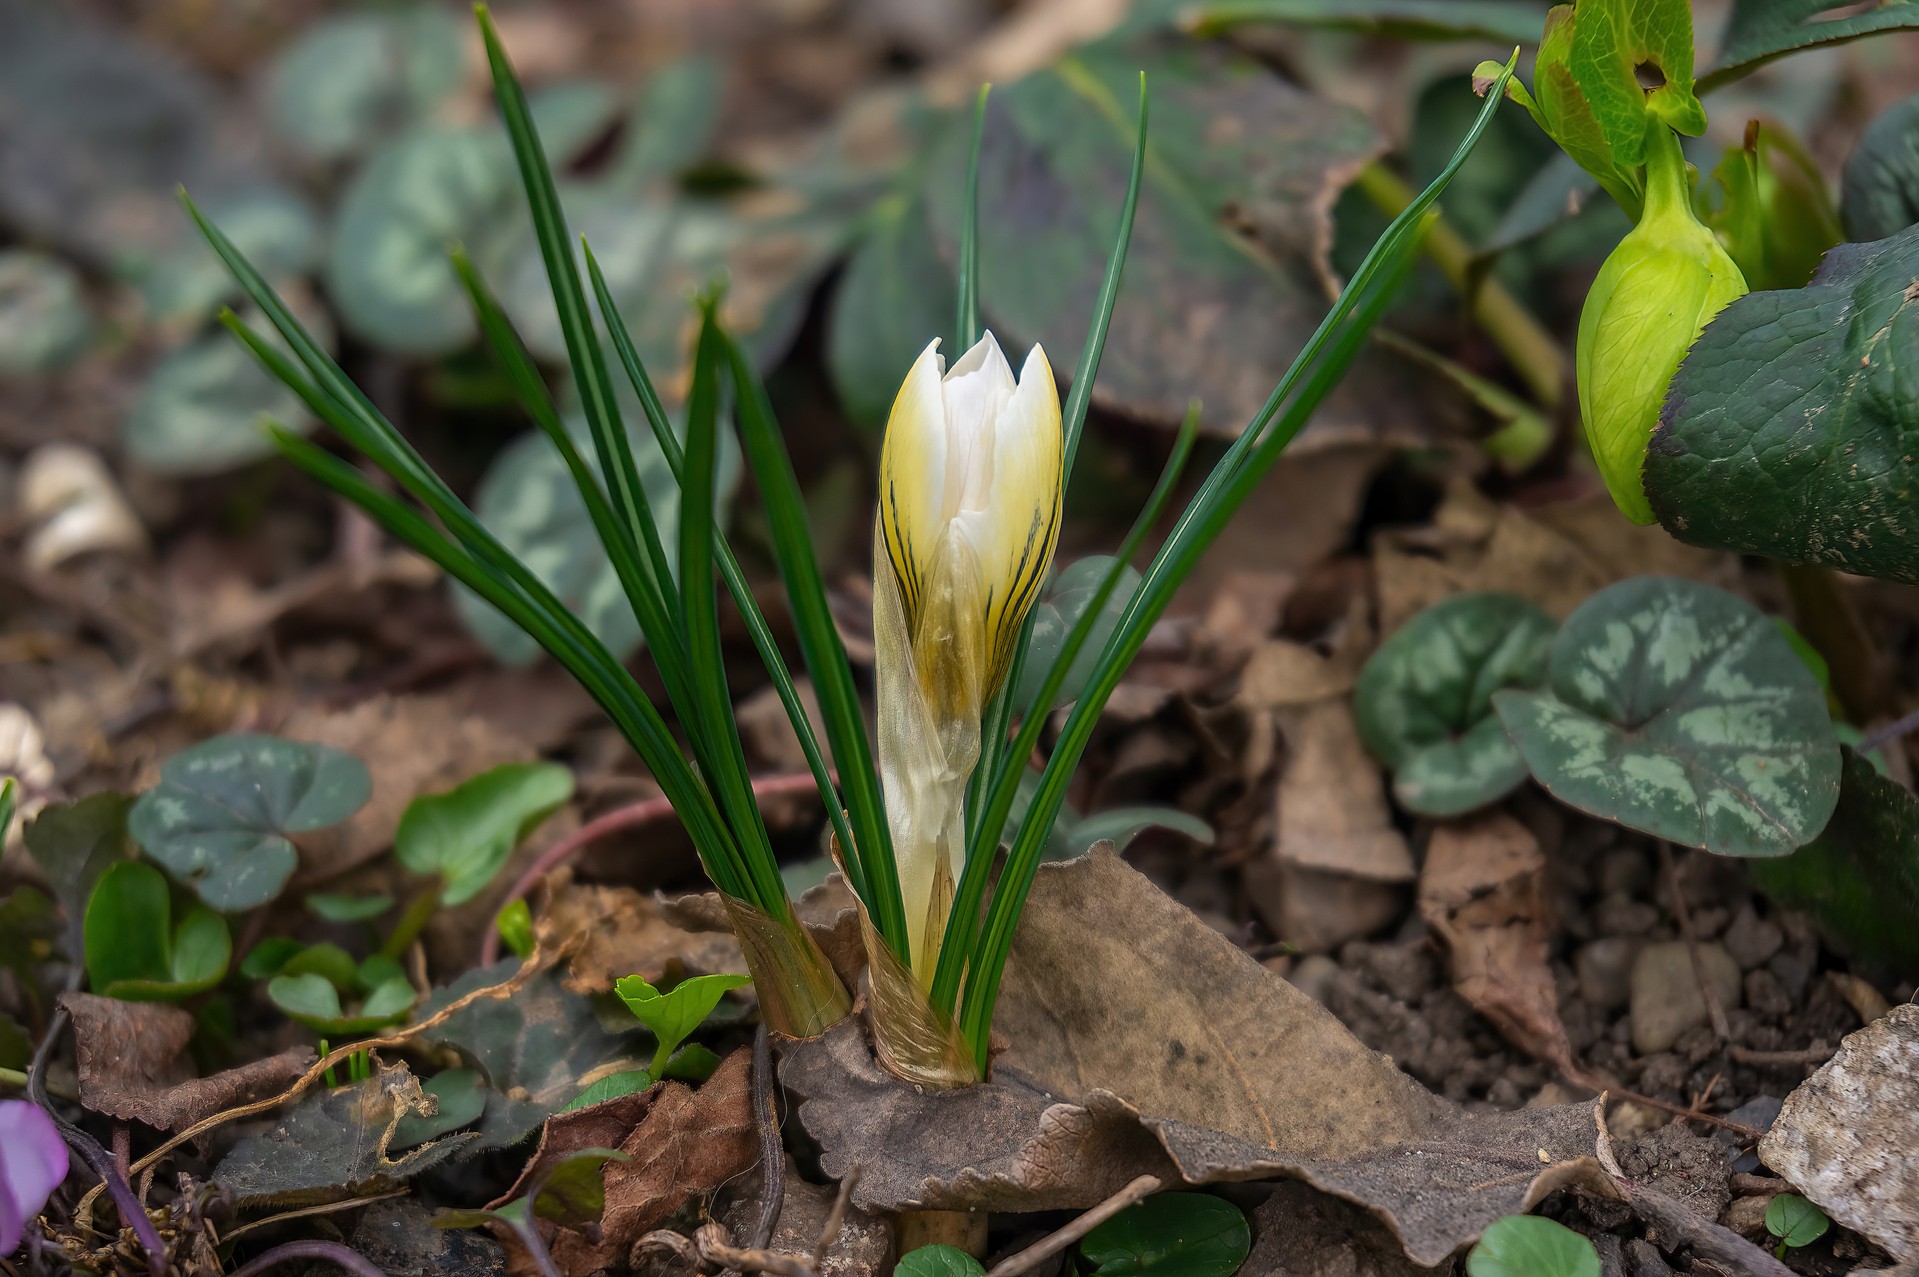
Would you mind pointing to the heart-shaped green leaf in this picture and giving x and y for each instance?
(1066, 599)
(1424, 700)
(466, 833)
(676, 1013)
(574, 1193)
(74, 843)
(1791, 426)
(1531, 1246)
(1795, 1221)
(220, 816)
(1170, 1235)
(351, 79)
(1879, 192)
(44, 320)
(133, 950)
(938, 1261)
(1860, 877)
(1678, 709)
(313, 1001)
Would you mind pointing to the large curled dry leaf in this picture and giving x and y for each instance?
(336, 1144)
(1144, 1042)
(133, 1064)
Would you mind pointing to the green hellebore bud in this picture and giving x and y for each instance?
(1661, 286)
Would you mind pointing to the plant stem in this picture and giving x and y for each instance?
(1535, 356)
(419, 912)
(1822, 609)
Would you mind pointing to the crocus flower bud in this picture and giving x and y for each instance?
(1661, 286)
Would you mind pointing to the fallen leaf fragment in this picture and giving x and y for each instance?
(1483, 892)
(1154, 1046)
(617, 932)
(133, 1064)
(1845, 1137)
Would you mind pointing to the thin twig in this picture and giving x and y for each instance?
(632, 816)
(1817, 1053)
(1891, 732)
(766, 1110)
(1715, 1011)
(715, 1249)
(330, 1252)
(1579, 1078)
(836, 1218)
(324, 1208)
(1047, 1247)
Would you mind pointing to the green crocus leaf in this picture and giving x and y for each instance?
(349, 80)
(1621, 50)
(1860, 877)
(219, 818)
(1791, 427)
(466, 833)
(1424, 700)
(1531, 1246)
(938, 1261)
(1170, 1235)
(133, 950)
(313, 1001)
(462, 1097)
(275, 227)
(1066, 599)
(1760, 30)
(1795, 1221)
(44, 320)
(1679, 710)
(673, 1015)
(1879, 191)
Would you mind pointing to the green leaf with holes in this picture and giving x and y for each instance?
(1792, 427)
(1170, 1235)
(1680, 710)
(1633, 61)
(135, 952)
(1761, 30)
(466, 833)
(1859, 878)
(1424, 700)
(220, 817)
(1531, 1246)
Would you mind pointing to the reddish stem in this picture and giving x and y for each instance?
(631, 816)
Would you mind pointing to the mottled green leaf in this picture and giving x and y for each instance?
(466, 833)
(895, 295)
(336, 1144)
(1792, 426)
(672, 121)
(1424, 700)
(74, 843)
(1065, 600)
(1795, 1221)
(1760, 30)
(1224, 278)
(1859, 878)
(1679, 710)
(938, 1261)
(220, 816)
(44, 320)
(324, 959)
(134, 951)
(1879, 191)
(1170, 1235)
(1531, 1246)
(533, 1047)
(349, 80)
(205, 406)
(1507, 21)
(275, 227)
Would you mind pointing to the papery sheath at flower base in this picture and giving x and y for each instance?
(969, 506)
(33, 1162)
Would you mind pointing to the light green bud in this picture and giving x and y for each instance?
(1661, 286)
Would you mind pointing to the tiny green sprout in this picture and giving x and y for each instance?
(1795, 1222)
(938, 1261)
(674, 1014)
(515, 925)
(1531, 1246)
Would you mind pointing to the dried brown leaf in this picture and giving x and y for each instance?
(617, 931)
(133, 1064)
(603, 1125)
(1157, 1047)
(1332, 808)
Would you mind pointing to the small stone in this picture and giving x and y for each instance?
(1644, 1260)
(1746, 1216)
(1612, 1255)
(1766, 996)
(1751, 940)
(1621, 915)
(1313, 976)
(1666, 1000)
(1604, 968)
(1793, 969)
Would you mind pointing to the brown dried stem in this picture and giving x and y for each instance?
(1047, 1247)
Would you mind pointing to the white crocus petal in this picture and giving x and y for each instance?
(913, 473)
(1015, 539)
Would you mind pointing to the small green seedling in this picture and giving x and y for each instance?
(515, 925)
(1795, 1222)
(938, 1261)
(309, 985)
(133, 949)
(1170, 1235)
(672, 1016)
(1531, 1246)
